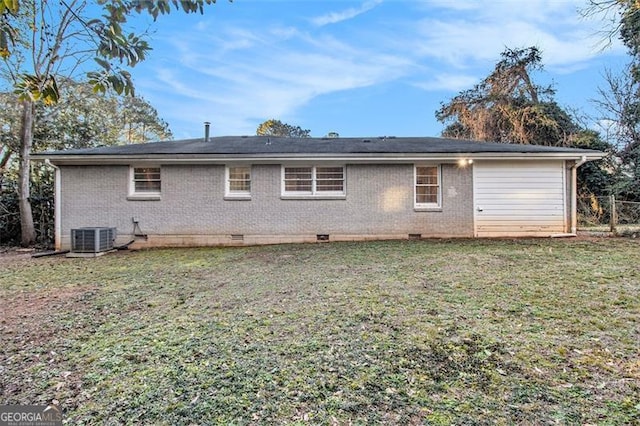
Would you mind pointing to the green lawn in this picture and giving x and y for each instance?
(409, 332)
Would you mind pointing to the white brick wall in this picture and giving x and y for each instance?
(193, 211)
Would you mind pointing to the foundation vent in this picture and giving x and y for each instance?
(237, 237)
(322, 237)
(415, 236)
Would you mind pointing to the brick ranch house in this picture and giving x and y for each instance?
(264, 190)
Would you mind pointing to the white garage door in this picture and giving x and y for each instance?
(520, 198)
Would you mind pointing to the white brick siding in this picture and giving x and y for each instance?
(192, 209)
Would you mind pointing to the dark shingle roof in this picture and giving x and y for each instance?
(258, 145)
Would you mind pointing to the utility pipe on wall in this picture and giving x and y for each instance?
(574, 193)
(57, 218)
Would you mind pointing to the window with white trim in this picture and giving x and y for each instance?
(313, 180)
(238, 181)
(145, 181)
(428, 192)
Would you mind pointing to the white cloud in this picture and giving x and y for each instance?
(458, 5)
(456, 42)
(448, 82)
(344, 15)
(237, 75)
(478, 34)
(505, 10)
(242, 88)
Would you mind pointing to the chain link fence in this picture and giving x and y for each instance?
(607, 214)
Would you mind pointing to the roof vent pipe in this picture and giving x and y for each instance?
(206, 131)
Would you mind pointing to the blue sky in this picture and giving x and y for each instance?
(359, 68)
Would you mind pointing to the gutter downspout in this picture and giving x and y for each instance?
(57, 217)
(574, 193)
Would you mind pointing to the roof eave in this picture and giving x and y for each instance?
(62, 159)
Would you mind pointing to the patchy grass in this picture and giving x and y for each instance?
(411, 332)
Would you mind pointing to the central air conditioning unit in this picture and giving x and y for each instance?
(92, 240)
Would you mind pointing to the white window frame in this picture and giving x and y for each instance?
(427, 206)
(236, 194)
(314, 193)
(143, 195)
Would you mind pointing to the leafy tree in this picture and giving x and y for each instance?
(620, 100)
(595, 177)
(58, 37)
(82, 118)
(624, 23)
(507, 106)
(278, 128)
(619, 104)
(141, 122)
(8, 8)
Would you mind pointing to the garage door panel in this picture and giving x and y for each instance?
(532, 166)
(519, 227)
(525, 177)
(531, 218)
(506, 193)
(519, 199)
(523, 204)
(520, 222)
(514, 185)
(498, 232)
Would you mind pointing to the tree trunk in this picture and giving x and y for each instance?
(28, 232)
(4, 158)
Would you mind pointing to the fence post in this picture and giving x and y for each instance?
(613, 216)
